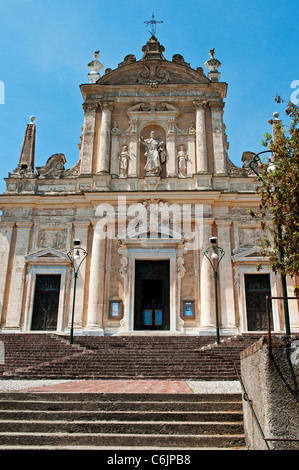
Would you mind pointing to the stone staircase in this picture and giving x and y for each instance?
(120, 421)
(181, 357)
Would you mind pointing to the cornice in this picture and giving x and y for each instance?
(94, 91)
(89, 198)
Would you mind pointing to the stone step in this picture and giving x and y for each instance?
(151, 406)
(51, 356)
(26, 416)
(136, 420)
(113, 425)
(89, 397)
(88, 440)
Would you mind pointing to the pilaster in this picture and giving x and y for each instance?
(218, 138)
(6, 231)
(88, 138)
(17, 280)
(80, 231)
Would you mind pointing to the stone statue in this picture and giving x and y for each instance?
(155, 154)
(124, 157)
(182, 161)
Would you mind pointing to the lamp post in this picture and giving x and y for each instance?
(214, 260)
(74, 254)
(253, 164)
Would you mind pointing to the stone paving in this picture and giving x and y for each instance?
(121, 386)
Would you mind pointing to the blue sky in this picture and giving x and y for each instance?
(45, 46)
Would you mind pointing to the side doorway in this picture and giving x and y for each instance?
(257, 288)
(46, 302)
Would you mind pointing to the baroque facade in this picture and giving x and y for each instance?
(152, 185)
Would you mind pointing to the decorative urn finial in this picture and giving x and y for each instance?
(213, 64)
(95, 67)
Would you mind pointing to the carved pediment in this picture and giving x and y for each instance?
(47, 256)
(151, 73)
(246, 255)
(153, 107)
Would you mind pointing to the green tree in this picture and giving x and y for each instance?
(279, 195)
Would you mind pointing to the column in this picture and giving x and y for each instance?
(17, 280)
(96, 282)
(103, 163)
(201, 145)
(81, 233)
(226, 279)
(207, 295)
(218, 138)
(88, 138)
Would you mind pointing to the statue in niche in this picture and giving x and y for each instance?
(182, 161)
(155, 153)
(124, 158)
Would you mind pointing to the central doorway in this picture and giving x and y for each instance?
(152, 299)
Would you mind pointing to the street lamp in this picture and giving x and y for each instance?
(253, 164)
(214, 260)
(74, 256)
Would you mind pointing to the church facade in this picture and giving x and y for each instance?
(154, 212)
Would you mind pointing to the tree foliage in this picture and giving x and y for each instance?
(279, 195)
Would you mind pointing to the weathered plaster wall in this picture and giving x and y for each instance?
(271, 383)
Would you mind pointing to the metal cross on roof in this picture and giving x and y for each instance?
(153, 22)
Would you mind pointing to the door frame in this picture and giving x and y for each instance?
(47, 261)
(241, 271)
(152, 250)
(34, 298)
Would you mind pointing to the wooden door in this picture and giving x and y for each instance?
(46, 302)
(257, 287)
